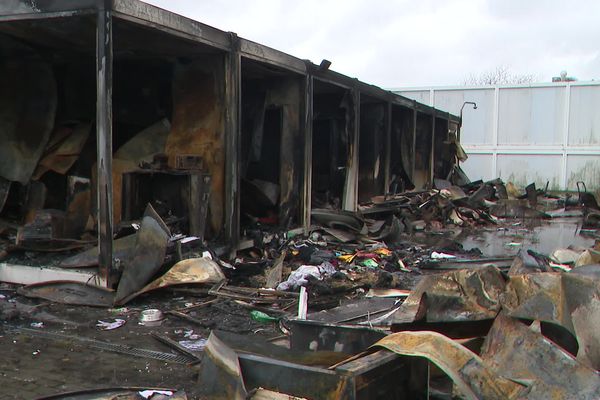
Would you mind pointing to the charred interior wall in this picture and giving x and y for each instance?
(330, 147)
(402, 154)
(443, 149)
(47, 106)
(272, 148)
(198, 124)
(423, 151)
(371, 165)
(141, 114)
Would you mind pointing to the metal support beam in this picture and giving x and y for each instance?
(232, 140)
(432, 152)
(388, 148)
(308, 136)
(104, 76)
(414, 145)
(350, 202)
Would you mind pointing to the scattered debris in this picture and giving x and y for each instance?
(110, 325)
(151, 317)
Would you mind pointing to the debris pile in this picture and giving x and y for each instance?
(381, 303)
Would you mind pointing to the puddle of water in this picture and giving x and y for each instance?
(543, 237)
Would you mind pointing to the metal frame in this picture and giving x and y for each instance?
(233, 82)
(104, 75)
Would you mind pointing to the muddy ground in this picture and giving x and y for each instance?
(36, 366)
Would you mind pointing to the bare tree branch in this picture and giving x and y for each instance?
(501, 75)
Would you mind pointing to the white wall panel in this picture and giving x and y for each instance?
(529, 116)
(584, 168)
(527, 133)
(422, 96)
(479, 166)
(533, 168)
(478, 124)
(584, 116)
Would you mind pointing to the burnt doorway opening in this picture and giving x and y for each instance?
(260, 193)
(423, 151)
(371, 154)
(272, 148)
(401, 152)
(330, 145)
(443, 149)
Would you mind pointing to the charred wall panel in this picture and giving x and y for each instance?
(423, 151)
(371, 179)
(401, 153)
(443, 149)
(330, 148)
(272, 146)
(198, 124)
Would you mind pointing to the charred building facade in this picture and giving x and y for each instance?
(108, 105)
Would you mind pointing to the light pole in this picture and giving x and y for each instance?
(463, 106)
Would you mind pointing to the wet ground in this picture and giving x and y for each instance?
(46, 348)
(539, 235)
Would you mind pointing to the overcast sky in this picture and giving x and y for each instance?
(398, 43)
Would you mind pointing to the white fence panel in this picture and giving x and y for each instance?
(546, 132)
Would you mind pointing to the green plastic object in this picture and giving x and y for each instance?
(260, 316)
(370, 263)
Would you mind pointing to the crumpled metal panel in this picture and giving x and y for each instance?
(463, 295)
(28, 99)
(220, 373)
(148, 256)
(193, 270)
(472, 376)
(522, 353)
(571, 300)
(70, 292)
(122, 250)
(63, 149)
(116, 393)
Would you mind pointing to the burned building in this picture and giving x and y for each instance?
(108, 105)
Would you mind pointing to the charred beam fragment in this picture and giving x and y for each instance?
(232, 121)
(308, 137)
(350, 201)
(388, 147)
(104, 77)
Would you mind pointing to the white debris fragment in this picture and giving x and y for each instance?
(110, 325)
(149, 393)
(440, 256)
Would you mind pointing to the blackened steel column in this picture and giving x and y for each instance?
(232, 142)
(388, 148)
(104, 71)
(308, 137)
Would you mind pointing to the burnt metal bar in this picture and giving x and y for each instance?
(308, 137)
(388, 147)
(414, 144)
(104, 75)
(16, 10)
(43, 15)
(232, 146)
(350, 202)
(432, 152)
(156, 18)
(261, 53)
